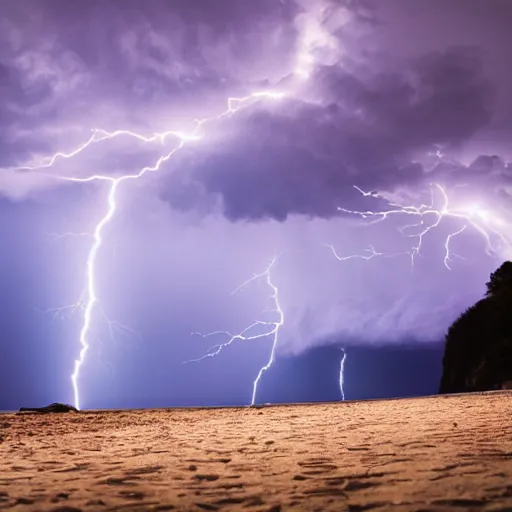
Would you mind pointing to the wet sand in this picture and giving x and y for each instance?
(428, 454)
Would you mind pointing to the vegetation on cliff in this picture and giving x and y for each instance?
(478, 352)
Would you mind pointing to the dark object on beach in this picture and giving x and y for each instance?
(55, 407)
(478, 353)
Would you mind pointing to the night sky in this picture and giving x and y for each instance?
(366, 106)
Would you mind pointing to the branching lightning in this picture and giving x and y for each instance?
(488, 225)
(59, 236)
(270, 328)
(449, 254)
(429, 217)
(369, 254)
(66, 311)
(234, 104)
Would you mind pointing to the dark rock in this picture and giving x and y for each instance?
(478, 352)
(55, 407)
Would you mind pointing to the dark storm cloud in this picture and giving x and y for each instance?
(486, 173)
(67, 67)
(21, 105)
(304, 157)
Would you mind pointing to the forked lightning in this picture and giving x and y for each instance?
(250, 333)
(99, 135)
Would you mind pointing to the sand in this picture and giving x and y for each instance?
(429, 454)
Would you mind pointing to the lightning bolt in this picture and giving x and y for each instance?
(60, 236)
(234, 104)
(448, 252)
(66, 311)
(342, 373)
(91, 289)
(488, 225)
(275, 331)
(370, 253)
(271, 328)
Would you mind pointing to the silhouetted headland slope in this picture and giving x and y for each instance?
(478, 352)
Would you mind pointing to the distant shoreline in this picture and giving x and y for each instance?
(292, 404)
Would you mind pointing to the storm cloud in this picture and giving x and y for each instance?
(303, 157)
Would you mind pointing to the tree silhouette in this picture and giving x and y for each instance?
(501, 280)
(478, 351)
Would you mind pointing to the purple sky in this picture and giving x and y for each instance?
(389, 96)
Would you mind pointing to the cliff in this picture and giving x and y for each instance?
(478, 351)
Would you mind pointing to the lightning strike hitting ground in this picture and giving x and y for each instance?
(342, 373)
(246, 334)
(488, 225)
(233, 105)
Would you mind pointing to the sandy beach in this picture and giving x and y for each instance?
(427, 454)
